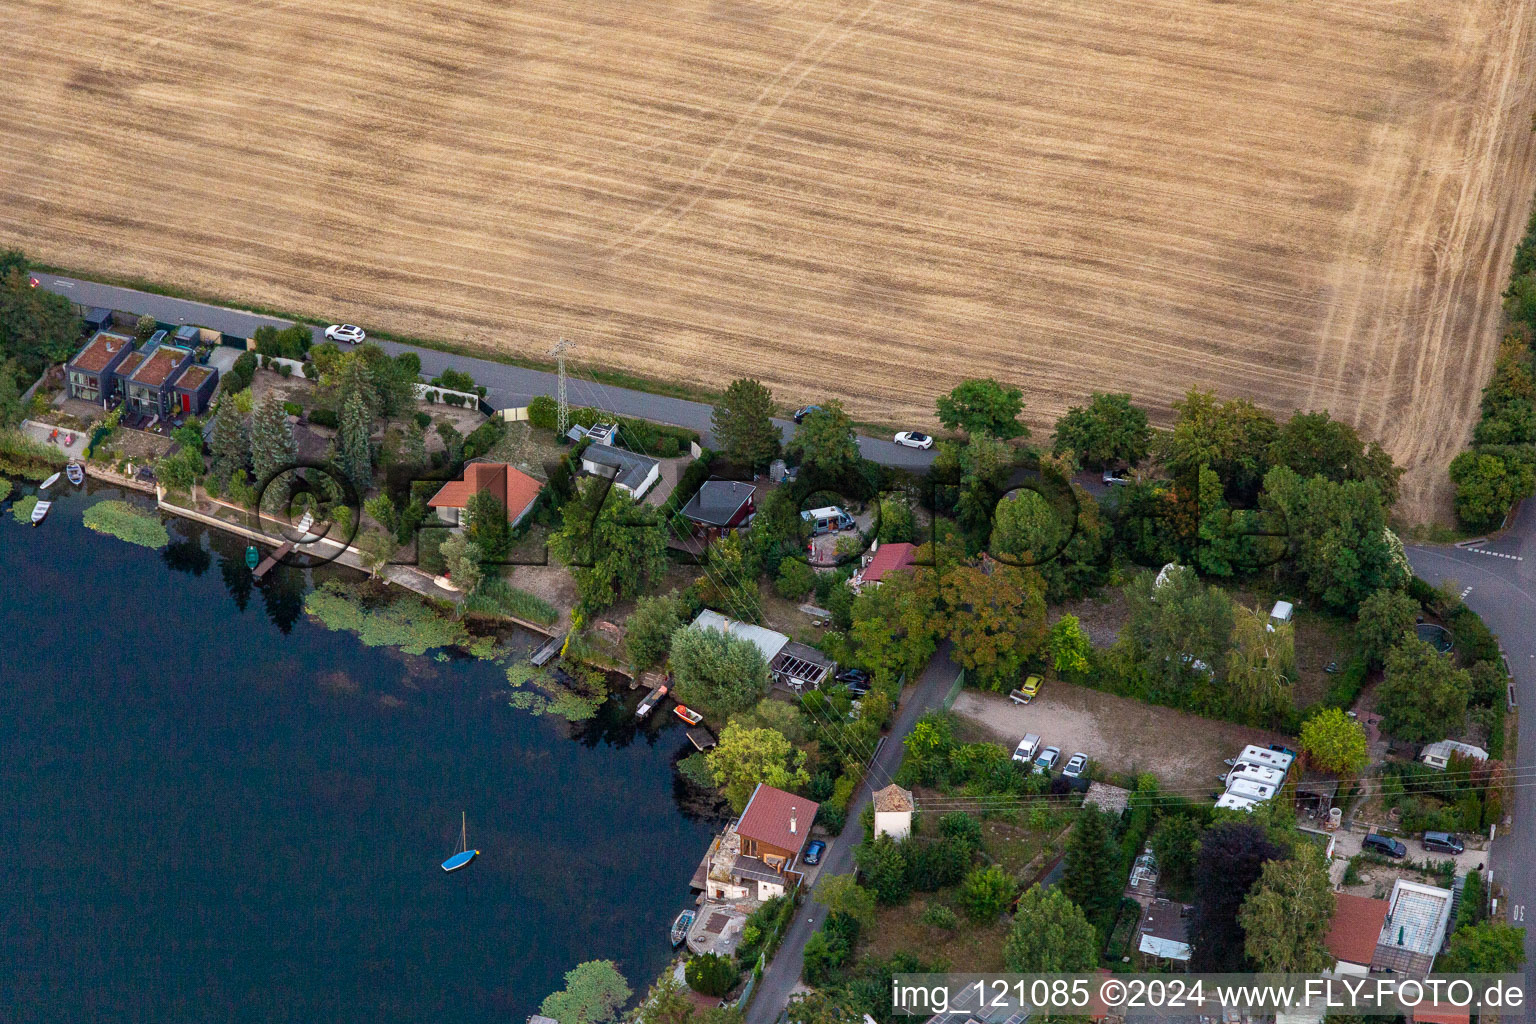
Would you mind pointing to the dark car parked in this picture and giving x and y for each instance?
(1384, 845)
(804, 411)
(1443, 842)
(813, 851)
(856, 679)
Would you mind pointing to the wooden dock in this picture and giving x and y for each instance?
(271, 560)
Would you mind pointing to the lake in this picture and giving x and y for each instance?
(215, 809)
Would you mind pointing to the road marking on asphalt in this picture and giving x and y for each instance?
(1465, 592)
(1495, 554)
(1517, 912)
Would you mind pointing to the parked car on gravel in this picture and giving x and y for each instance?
(1047, 760)
(1384, 845)
(1077, 764)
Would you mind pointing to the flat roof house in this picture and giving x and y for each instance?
(514, 488)
(1417, 917)
(1165, 932)
(152, 386)
(92, 373)
(193, 389)
(630, 472)
(720, 506)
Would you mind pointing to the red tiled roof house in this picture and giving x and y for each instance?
(888, 558)
(768, 838)
(1356, 927)
(515, 489)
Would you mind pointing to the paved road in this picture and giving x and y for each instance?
(783, 972)
(1500, 578)
(508, 386)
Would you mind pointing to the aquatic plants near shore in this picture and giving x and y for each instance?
(575, 697)
(22, 510)
(127, 522)
(495, 596)
(401, 620)
(5, 489)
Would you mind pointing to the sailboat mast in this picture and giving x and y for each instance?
(463, 831)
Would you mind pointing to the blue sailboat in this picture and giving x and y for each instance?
(465, 854)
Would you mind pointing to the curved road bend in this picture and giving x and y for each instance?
(1499, 579)
(508, 386)
(783, 972)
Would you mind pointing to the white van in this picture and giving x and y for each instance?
(1028, 747)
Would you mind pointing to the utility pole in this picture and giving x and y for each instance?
(561, 402)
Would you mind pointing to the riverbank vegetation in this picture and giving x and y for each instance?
(395, 619)
(21, 510)
(127, 522)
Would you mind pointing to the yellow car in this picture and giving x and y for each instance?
(1028, 692)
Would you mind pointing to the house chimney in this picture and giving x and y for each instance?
(791, 821)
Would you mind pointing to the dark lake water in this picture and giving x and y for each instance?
(214, 809)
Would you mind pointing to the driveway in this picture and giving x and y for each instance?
(782, 975)
(1499, 580)
(1184, 751)
(508, 386)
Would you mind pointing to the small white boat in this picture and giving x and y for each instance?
(49, 482)
(75, 473)
(465, 854)
(40, 510)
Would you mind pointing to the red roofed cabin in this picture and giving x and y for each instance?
(514, 488)
(888, 558)
(775, 826)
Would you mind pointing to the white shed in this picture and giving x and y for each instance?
(893, 812)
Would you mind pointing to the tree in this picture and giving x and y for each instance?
(1491, 947)
(1340, 545)
(10, 396)
(1334, 742)
(711, 974)
(272, 444)
(730, 578)
(461, 560)
(394, 380)
(1259, 666)
(824, 443)
(37, 327)
(1069, 646)
(593, 993)
(884, 867)
(842, 894)
(383, 511)
(720, 673)
(144, 328)
(648, 632)
(488, 526)
(986, 892)
(1312, 444)
(893, 625)
(1179, 631)
(231, 442)
(983, 406)
(1175, 845)
(413, 447)
(995, 619)
(795, 579)
(666, 1002)
(1232, 438)
(375, 550)
(896, 522)
(1285, 918)
(1423, 695)
(1050, 935)
(745, 757)
(453, 441)
(354, 456)
(1386, 616)
(1093, 869)
(1109, 431)
(1487, 486)
(616, 550)
(1232, 857)
(743, 423)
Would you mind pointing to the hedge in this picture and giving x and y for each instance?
(324, 417)
(661, 440)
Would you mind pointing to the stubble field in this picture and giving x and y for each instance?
(1309, 204)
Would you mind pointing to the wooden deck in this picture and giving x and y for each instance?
(272, 560)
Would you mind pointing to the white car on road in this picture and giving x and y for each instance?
(912, 439)
(348, 333)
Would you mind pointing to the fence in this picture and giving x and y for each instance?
(436, 393)
(518, 415)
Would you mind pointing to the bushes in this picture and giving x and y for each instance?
(293, 408)
(484, 437)
(543, 412)
(940, 916)
(323, 417)
(495, 596)
(795, 579)
(986, 893)
(289, 343)
(22, 456)
(711, 974)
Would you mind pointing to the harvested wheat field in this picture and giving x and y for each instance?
(1310, 204)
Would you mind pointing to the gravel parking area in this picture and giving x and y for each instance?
(1184, 751)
